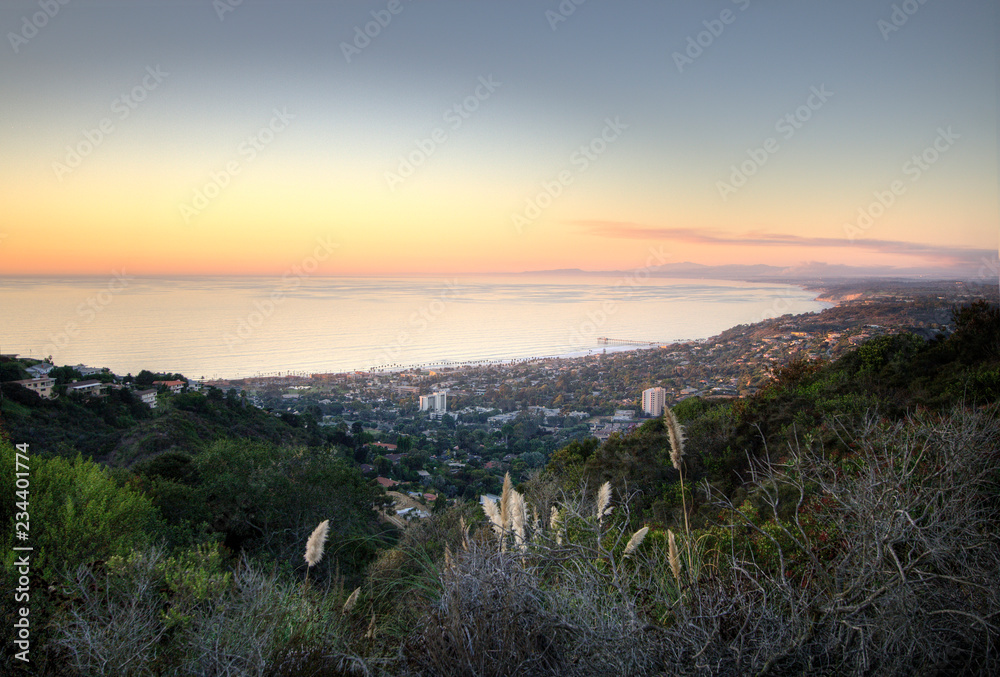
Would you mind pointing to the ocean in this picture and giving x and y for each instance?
(235, 327)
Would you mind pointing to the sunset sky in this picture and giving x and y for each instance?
(192, 137)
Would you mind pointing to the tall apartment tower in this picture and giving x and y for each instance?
(435, 402)
(653, 400)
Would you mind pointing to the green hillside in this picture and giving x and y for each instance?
(118, 430)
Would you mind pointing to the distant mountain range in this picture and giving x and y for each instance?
(806, 271)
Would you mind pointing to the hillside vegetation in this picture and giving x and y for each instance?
(842, 521)
(119, 430)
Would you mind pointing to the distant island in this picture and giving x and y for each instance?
(805, 273)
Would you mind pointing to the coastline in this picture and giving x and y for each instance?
(824, 297)
(225, 329)
(312, 357)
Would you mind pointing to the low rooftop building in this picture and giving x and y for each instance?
(89, 387)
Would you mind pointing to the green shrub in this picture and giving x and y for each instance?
(78, 513)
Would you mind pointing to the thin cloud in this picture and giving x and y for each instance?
(624, 229)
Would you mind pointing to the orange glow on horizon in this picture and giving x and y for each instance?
(97, 221)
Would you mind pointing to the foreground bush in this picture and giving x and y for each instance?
(189, 615)
(885, 561)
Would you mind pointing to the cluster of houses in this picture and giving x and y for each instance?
(43, 385)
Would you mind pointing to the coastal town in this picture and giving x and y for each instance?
(455, 430)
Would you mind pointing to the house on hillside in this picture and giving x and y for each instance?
(174, 386)
(40, 370)
(89, 388)
(147, 397)
(40, 386)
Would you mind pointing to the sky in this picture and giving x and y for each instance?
(189, 137)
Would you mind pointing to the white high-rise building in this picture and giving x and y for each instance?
(435, 402)
(653, 401)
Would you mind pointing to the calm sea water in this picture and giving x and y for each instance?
(237, 327)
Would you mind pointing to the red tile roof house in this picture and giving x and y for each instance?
(385, 445)
(175, 386)
(386, 482)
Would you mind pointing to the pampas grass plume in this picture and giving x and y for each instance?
(603, 498)
(676, 432)
(519, 515)
(635, 541)
(314, 546)
(351, 601)
(505, 515)
(554, 525)
(674, 556)
(490, 508)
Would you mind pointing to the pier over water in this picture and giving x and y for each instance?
(605, 341)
